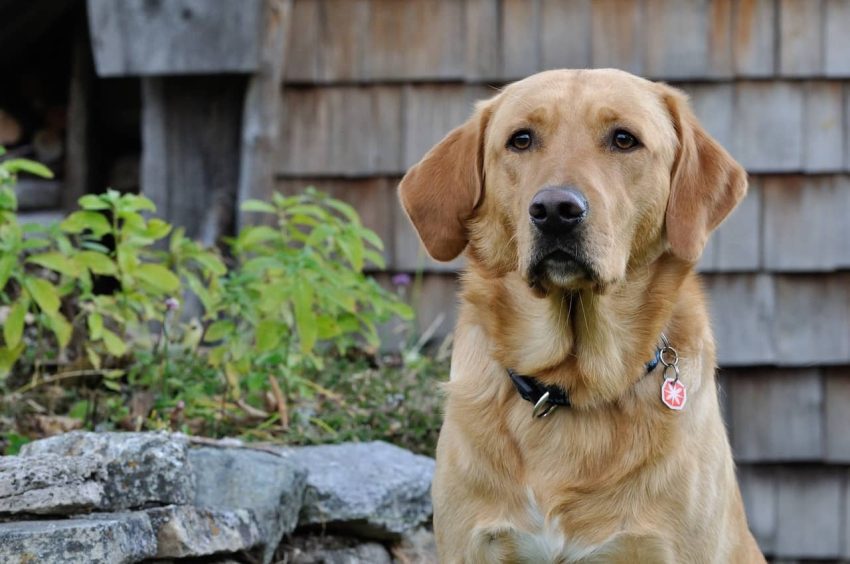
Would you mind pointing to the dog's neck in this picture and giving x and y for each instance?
(594, 345)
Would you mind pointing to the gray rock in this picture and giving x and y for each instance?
(374, 490)
(271, 485)
(50, 484)
(334, 550)
(417, 547)
(189, 531)
(141, 469)
(115, 539)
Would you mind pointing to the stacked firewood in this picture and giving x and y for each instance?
(36, 132)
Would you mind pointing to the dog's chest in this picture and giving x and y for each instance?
(544, 540)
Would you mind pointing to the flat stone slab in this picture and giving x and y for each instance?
(50, 484)
(138, 469)
(271, 485)
(115, 539)
(189, 531)
(374, 490)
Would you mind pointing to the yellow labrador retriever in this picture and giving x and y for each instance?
(582, 421)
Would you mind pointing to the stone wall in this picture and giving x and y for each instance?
(132, 497)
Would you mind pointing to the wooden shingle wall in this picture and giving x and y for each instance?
(370, 85)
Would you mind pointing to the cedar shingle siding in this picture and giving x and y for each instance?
(370, 85)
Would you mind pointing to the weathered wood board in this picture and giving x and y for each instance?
(167, 37)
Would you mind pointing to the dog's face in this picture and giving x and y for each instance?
(571, 178)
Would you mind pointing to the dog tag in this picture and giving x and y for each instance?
(674, 394)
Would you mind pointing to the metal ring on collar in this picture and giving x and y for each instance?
(543, 407)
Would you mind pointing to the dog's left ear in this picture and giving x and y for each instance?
(441, 191)
(706, 182)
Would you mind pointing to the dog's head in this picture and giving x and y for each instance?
(571, 178)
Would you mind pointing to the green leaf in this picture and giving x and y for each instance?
(157, 229)
(79, 409)
(273, 297)
(95, 324)
(345, 209)
(308, 209)
(8, 199)
(132, 202)
(211, 262)
(254, 235)
(93, 357)
(44, 293)
(15, 442)
(96, 247)
(259, 264)
(60, 327)
(111, 385)
(56, 261)
(328, 327)
(268, 335)
(353, 251)
(305, 321)
(93, 202)
(80, 221)
(318, 235)
(371, 237)
(200, 290)
(216, 355)
(7, 265)
(257, 206)
(14, 326)
(374, 259)
(98, 263)
(128, 260)
(114, 345)
(158, 277)
(8, 358)
(26, 165)
(34, 243)
(232, 376)
(219, 330)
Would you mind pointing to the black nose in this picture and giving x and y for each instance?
(557, 209)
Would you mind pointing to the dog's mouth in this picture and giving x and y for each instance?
(560, 268)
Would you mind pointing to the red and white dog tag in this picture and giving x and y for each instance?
(674, 394)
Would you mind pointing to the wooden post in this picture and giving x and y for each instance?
(263, 105)
(190, 139)
(79, 147)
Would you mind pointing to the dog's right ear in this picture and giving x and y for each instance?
(441, 191)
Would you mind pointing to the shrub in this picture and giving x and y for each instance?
(145, 328)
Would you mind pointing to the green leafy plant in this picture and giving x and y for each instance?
(31, 292)
(145, 328)
(299, 287)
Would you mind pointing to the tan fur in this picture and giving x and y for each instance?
(618, 477)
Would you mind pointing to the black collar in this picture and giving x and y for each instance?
(547, 398)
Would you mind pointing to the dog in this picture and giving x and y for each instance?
(582, 421)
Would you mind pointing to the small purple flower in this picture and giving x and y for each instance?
(171, 304)
(402, 279)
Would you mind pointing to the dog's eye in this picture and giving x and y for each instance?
(521, 140)
(623, 140)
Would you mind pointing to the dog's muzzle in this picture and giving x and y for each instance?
(557, 214)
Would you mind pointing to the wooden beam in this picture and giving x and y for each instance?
(166, 37)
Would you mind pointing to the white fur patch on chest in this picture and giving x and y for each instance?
(545, 540)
